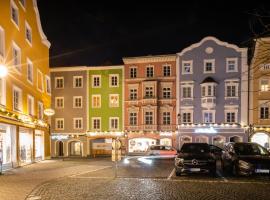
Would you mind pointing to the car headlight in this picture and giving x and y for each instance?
(179, 160)
(244, 164)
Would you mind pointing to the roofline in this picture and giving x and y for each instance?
(85, 68)
(149, 58)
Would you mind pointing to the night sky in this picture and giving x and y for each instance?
(85, 33)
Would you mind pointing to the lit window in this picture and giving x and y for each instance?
(59, 82)
(30, 105)
(114, 100)
(77, 81)
(166, 70)
(264, 85)
(166, 118)
(96, 101)
(77, 102)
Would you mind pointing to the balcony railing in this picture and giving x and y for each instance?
(149, 100)
(133, 128)
(166, 128)
(149, 127)
(208, 102)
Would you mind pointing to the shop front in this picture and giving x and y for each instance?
(262, 137)
(39, 145)
(25, 145)
(101, 146)
(75, 148)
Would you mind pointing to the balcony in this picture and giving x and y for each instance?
(149, 127)
(166, 101)
(133, 102)
(208, 102)
(149, 100)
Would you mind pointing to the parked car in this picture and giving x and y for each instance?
(217, 151)
(161, 150)
(245, 158)
(195, 157)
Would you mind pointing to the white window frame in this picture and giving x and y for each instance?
(18, 68)
(133, 89)
(20, 104)
(182, 116)
(56, 123)
(231, 111)
(110, 80)
(213, 66)
(42, 81)
(190, 62)
(153, 117)
(170, 70)
(55, 82)
(31, 98)
(59, 98)
(153, 70)
(166, 92)
(133, 117)
(92, 123)
(185, 84)
(110, 124)
(27, 27)
(110, 104)
(74, 101)
(232, 82)
(48, 84)
(2, 43)
(266, 89)
(3, 93)
(40, 105)
(13, 5)
(206, 86)
(74, 81)
(264, 104)
(170, 115)
(74, 123)
(93, 96)
(227, 65)
(136, 69)
(30, 66)
(23, 4)
(96, 76)
(213, 115)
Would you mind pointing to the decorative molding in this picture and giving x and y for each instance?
(149, 59)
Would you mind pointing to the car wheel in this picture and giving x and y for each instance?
(177, 173)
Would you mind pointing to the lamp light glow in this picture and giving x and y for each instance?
(3, 71)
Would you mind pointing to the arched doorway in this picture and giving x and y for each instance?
(261, 138)
(219, 141)
(75, 148)
(236, 139)
(60, 148)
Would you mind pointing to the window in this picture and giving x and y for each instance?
(114, 100)
(114, 80)
(230, 117)
(96, 81)
(77, 102)
(149, 92)
(166, 118)
(231, 65)
(208, 117)
(15, 14)
(22, 2)
(132, 119)
(2, 91)
(2, 42)
(16, 54)
(166, 70)
(59, 82)
(186, 117)
(148, 118)
(149, 72)
(40, 110)
(96, 101)
(28, 33)
(186, 92)
(133, 72)
(96, 123)
(29, 71)
(209, 66)
(17, 99)
(133, 94)
(187, 67)
(77, 123)
(166, 93)
(48, 84)
(264, 112)
(59, 122)
(59, 102)
(114, 123)
(77, 81)
(30, 105)
(231, 88)
(40, 86)
(264, 85)
(208, 90)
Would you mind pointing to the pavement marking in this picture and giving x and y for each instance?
(222, 177)
(171, 174)
(93, 170)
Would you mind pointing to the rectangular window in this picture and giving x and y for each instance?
(166, 118)
(96, 123)
(40, 110)
(208, 117)
(16, 54)
(40, 85)
(133, 94)
(264, 112)
(230, 117)
(30, 105)
(17, 99)
(48, 84)
(28, 33)
(59, 82)
(23, 3)
(77, 123)
(186, 92)
(96, 81)
(113, 80)
(231, 91)
(2, 91)
(148, 118)
(2, 42)
(149, 92)
(59, 102)
(59, 122)
(15, 14)
(29, 71)
(133, 72)
(77, 81)
(209, 66)
(166, 93)
(114, 100)
(186, 117)
(264, 85)
(96, 101)
(114, 123)
(149, 72)
(166, 70)
(203, 91)
(187, 67)
(231, 65)
(132, 119)
(77, 102)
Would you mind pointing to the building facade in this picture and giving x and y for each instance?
(25, 91)
(212, 91)
(260, 93)
(150, 101)
(69, 100)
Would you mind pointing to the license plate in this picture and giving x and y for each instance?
(262, 171)
(195, 169)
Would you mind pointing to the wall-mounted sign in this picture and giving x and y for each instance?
(166, 134)
(49, 112)
(206, 130)
(104, 134)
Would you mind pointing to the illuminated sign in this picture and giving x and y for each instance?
(115, 134)
(60, 137)
(205, 130)
(49, 112)
(166, 134)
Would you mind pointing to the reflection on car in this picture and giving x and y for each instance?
(217, 151)
(245, 159)
(195, 157)
(161, 150)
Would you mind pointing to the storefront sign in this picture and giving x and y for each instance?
(49, 112)
(60, 137)
(166, 134)
(104, 134)
(205, 130)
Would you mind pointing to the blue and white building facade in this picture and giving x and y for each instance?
(212, 91)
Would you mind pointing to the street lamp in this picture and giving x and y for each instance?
(3, 71)
(178, 128)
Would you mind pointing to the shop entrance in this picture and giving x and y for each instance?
(101, 146)
(75, 148)
(261, 138)
(60, 148)
(26, 145)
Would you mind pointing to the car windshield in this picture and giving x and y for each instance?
(168, 148)
(195, 148)
(249, 149)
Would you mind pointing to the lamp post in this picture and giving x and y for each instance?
(178, 127)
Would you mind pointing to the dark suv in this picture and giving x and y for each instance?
(195, 157)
